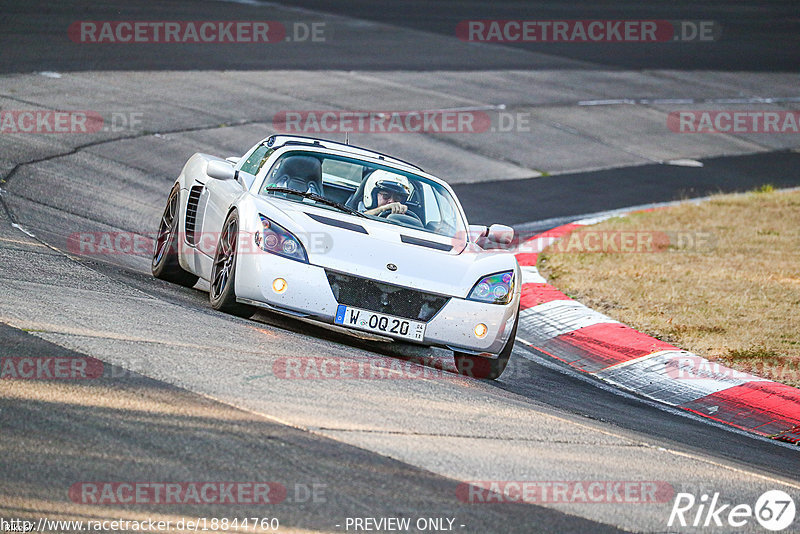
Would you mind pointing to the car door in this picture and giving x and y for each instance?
(215, 202)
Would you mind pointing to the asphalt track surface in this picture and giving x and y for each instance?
(772, 44)
(755, 36)
(610, 189)
(197, 400)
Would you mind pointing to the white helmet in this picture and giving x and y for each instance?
(381, 180)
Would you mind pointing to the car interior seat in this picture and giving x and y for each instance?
(301, 173)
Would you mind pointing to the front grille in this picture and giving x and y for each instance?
(191, 212)
(384, 298)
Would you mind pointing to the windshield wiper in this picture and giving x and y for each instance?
(317, 198)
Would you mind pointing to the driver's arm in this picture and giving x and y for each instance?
(395, 207)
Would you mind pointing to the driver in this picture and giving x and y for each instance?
(386, 191)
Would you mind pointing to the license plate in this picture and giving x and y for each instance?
(379, 323)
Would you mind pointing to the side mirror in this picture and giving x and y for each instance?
(233, 159)
(501, 234)
(477, 231)
(220, 170)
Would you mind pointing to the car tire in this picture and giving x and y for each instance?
(222, 293)
(165, 264)
(486, 368)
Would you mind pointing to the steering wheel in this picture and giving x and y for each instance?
(386, 213)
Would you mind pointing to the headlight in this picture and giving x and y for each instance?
(494, 289)
(276, 239)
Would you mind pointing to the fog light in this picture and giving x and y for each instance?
(279, 285)
(481, 330)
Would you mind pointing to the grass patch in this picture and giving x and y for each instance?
(765, 188)
(720, 278)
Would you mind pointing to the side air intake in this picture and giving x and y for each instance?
(191, 213)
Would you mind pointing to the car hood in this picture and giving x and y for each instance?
(390, 253)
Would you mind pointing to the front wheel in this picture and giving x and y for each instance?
(165, 265)
(223, 272)
(480, 367)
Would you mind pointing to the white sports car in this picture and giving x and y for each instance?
(344, 235)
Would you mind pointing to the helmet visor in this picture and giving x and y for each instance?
(396, 190)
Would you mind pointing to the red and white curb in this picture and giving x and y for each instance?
(557, 326)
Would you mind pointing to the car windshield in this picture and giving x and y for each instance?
(365, 189)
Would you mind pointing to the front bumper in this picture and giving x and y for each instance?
(309, 294)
